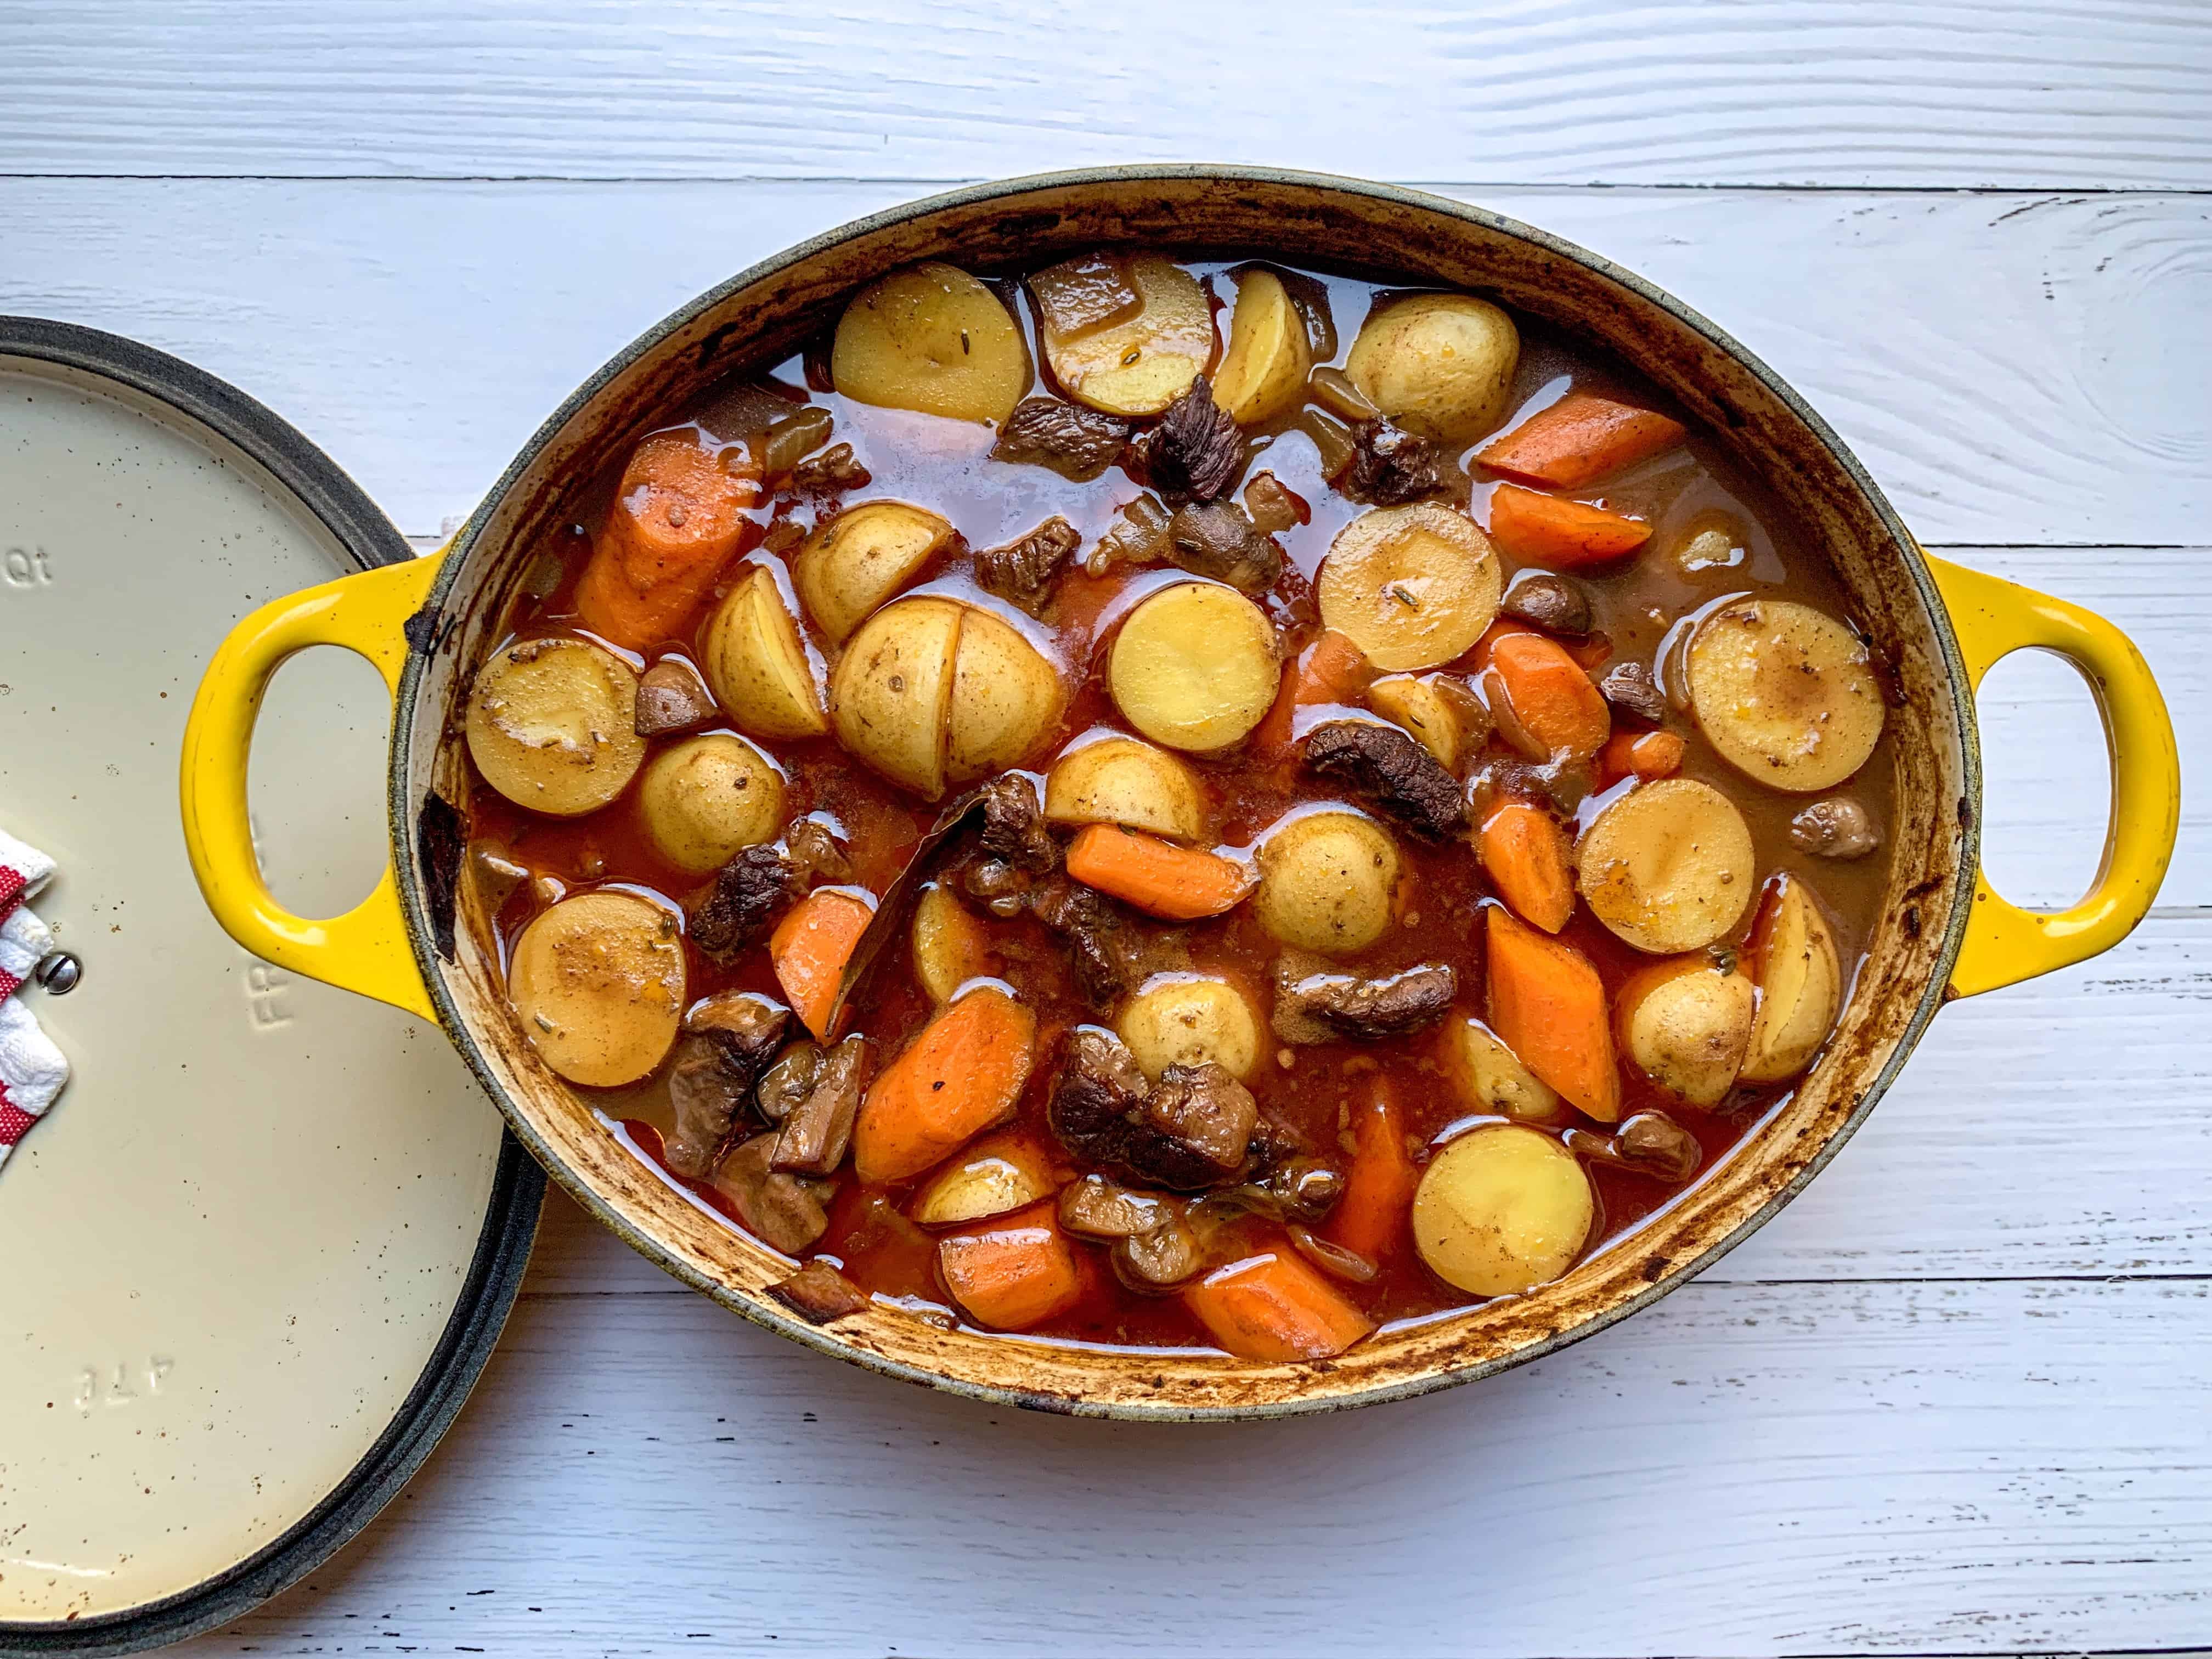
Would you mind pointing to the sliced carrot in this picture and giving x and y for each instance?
(1330, 670)
(1160, 878)
(1273, 1307)
(810, 948)
(677, 520)
(1525, 853)
(1549, 694)
(1579, 439)
(1564, 535)
(1548, 1005)
(1371, 1217)
(962, 1075)
(1592, 652)
(1646, 755)
(1016, 1272)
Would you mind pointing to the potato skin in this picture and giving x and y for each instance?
(850, 566)
(552, 725)
(1785, 693)
(1326, 881)
(1437, 364)
(1194, 666)
(1184, 1019)
(1793, 956)
(999, 1173)
(1121, 780)
(1412, 586)
(756, 664)
(1264, 370)
(1502, 1209)
(706, 799)
(1492, 1078)
(1669, 867)
(949, 946)
(597, 985)
(932, 339)
(1006, 698)
(1420, 707)
(1685, 1025)
(892, 689)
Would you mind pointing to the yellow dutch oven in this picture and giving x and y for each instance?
(1945, 933)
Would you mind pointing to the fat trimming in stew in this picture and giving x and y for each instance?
(1179, 803)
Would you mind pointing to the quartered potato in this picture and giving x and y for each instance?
(950, 946)
(706, 799)
(1007, 699)
(1139, 366)
(757, 665)
(861, 558)
(1786, 694)
(1183, 1020)
(932, 339)
(1437, 364)
(1502, 1209)
(597, 982)
(1492, 1078)
(1668, 866)
(1422, 706)
(1794, 958)
(893, 688)
(1264, 370)
(1412, 586)
(1686, 1024)
(1121, 780)
(1194, 666)
(999, 1173)
(1325, 882)
(552, 725)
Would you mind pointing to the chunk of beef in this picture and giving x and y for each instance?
(1837, 828)
(835, 471)
(1548, 601)
(1216, 539)
(1023, 571)
(1098, 1089)
(1389, 466)
(750, 892)
(1311, 1007)
(1391, 769)
(727, 1040)
(671, 697)
(1628, 685)
(1108, 953)
(789, 1082)
(1077, 443)
(1196, 450)
(1013, 824)
(814, 846)
(818, 1127)
(818, 1293)
(786, 1213)
(1196, 1130)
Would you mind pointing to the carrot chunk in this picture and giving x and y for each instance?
(677, 520)
(1525, 853)
(1564, 535)
(962, 1075)
(1548, 1005)
(809, 951)
(1330, 670)
(1548, 694)
(1160, 878)
(1273, 1307)
(1579, 439)
(1017, 1272)
(1646, 755)
(1371, 1217)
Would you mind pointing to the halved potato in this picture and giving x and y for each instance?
(893, 688)
(1140, 366)
(1186, 1019)
(1493, 1079)
(1686, 1023)
(1121, 780)
(1412, 586)
(1668, 866)
(757, 665)
(1423, 708)
(933, 339)
(851, 565)
(705, 799)
(597, 984)
(1438, 364)
(1264, 370)
(1325, 880)
(950, 946)
(1000, 1172)
(1502, 1209)
(552, 725)
(1792, 957)
(1007, 699)
(1784, 692)
(1194, 666)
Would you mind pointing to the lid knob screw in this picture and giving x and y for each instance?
(57, 973)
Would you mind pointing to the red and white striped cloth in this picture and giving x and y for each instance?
(32, 1070)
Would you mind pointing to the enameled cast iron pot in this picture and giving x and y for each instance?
(1943, 932)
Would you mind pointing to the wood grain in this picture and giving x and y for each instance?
(1918, 93)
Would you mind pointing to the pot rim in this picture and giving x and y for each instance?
(823, 1340)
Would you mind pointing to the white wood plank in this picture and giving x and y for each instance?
(2013, 370)
(1740, 1470)
(1939, 92)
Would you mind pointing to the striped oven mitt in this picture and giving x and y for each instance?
(32, 1070)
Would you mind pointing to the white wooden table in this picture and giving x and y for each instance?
(1957, 1399)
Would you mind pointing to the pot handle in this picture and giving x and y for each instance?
(2005, 944)
(366, 950)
